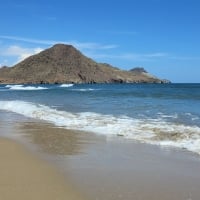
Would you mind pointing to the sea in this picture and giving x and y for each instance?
(167, 115)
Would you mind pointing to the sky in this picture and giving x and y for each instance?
(163, 36)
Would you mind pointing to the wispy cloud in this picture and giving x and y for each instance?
(135, 56)
(80, 45)
(3, 62)
(186, 58)
(131, 56)
(19, 52)
(143, 56)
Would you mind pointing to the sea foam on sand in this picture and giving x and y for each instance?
(153, 131)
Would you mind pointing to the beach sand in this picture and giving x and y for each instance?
(99, 168)
(123, 170)
(23, 176)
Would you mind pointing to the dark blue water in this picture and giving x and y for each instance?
(132, 100)
(158, 107)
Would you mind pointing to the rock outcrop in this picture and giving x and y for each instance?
(138, 70)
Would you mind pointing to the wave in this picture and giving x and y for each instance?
(22, 87)
(67, 85)
(84, 89)
(153, 131)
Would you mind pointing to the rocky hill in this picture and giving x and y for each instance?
(65, 64)
(138, 70)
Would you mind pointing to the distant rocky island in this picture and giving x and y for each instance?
(65, 64)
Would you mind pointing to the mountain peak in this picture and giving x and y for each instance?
(60, 45)
(65, 64)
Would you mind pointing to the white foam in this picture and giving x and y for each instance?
(22, 87)
(162, 115)
(195, 118)
(9, 86)
(192, 116)
(154, 131)
(84, 89)
(67, 85)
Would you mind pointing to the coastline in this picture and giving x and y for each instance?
(25, 176)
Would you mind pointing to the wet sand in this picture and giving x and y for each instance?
(25, 177)
(107, 168)
(120, 169)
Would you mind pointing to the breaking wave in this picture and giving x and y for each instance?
(67, 85)
(153, 131)
(22, 87)
(84, 89)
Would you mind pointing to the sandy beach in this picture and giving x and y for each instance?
(78, 164)
(23, 176)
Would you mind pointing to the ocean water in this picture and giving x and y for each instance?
(160, 114)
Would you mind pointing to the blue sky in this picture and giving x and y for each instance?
(163, 36)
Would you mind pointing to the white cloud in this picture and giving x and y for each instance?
(3, 63)
(19, 52)
(79, 45)
(16, 53)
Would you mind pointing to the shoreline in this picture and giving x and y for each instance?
(25, 176)
(105, 168)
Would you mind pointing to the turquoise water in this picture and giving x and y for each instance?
(160, 114)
